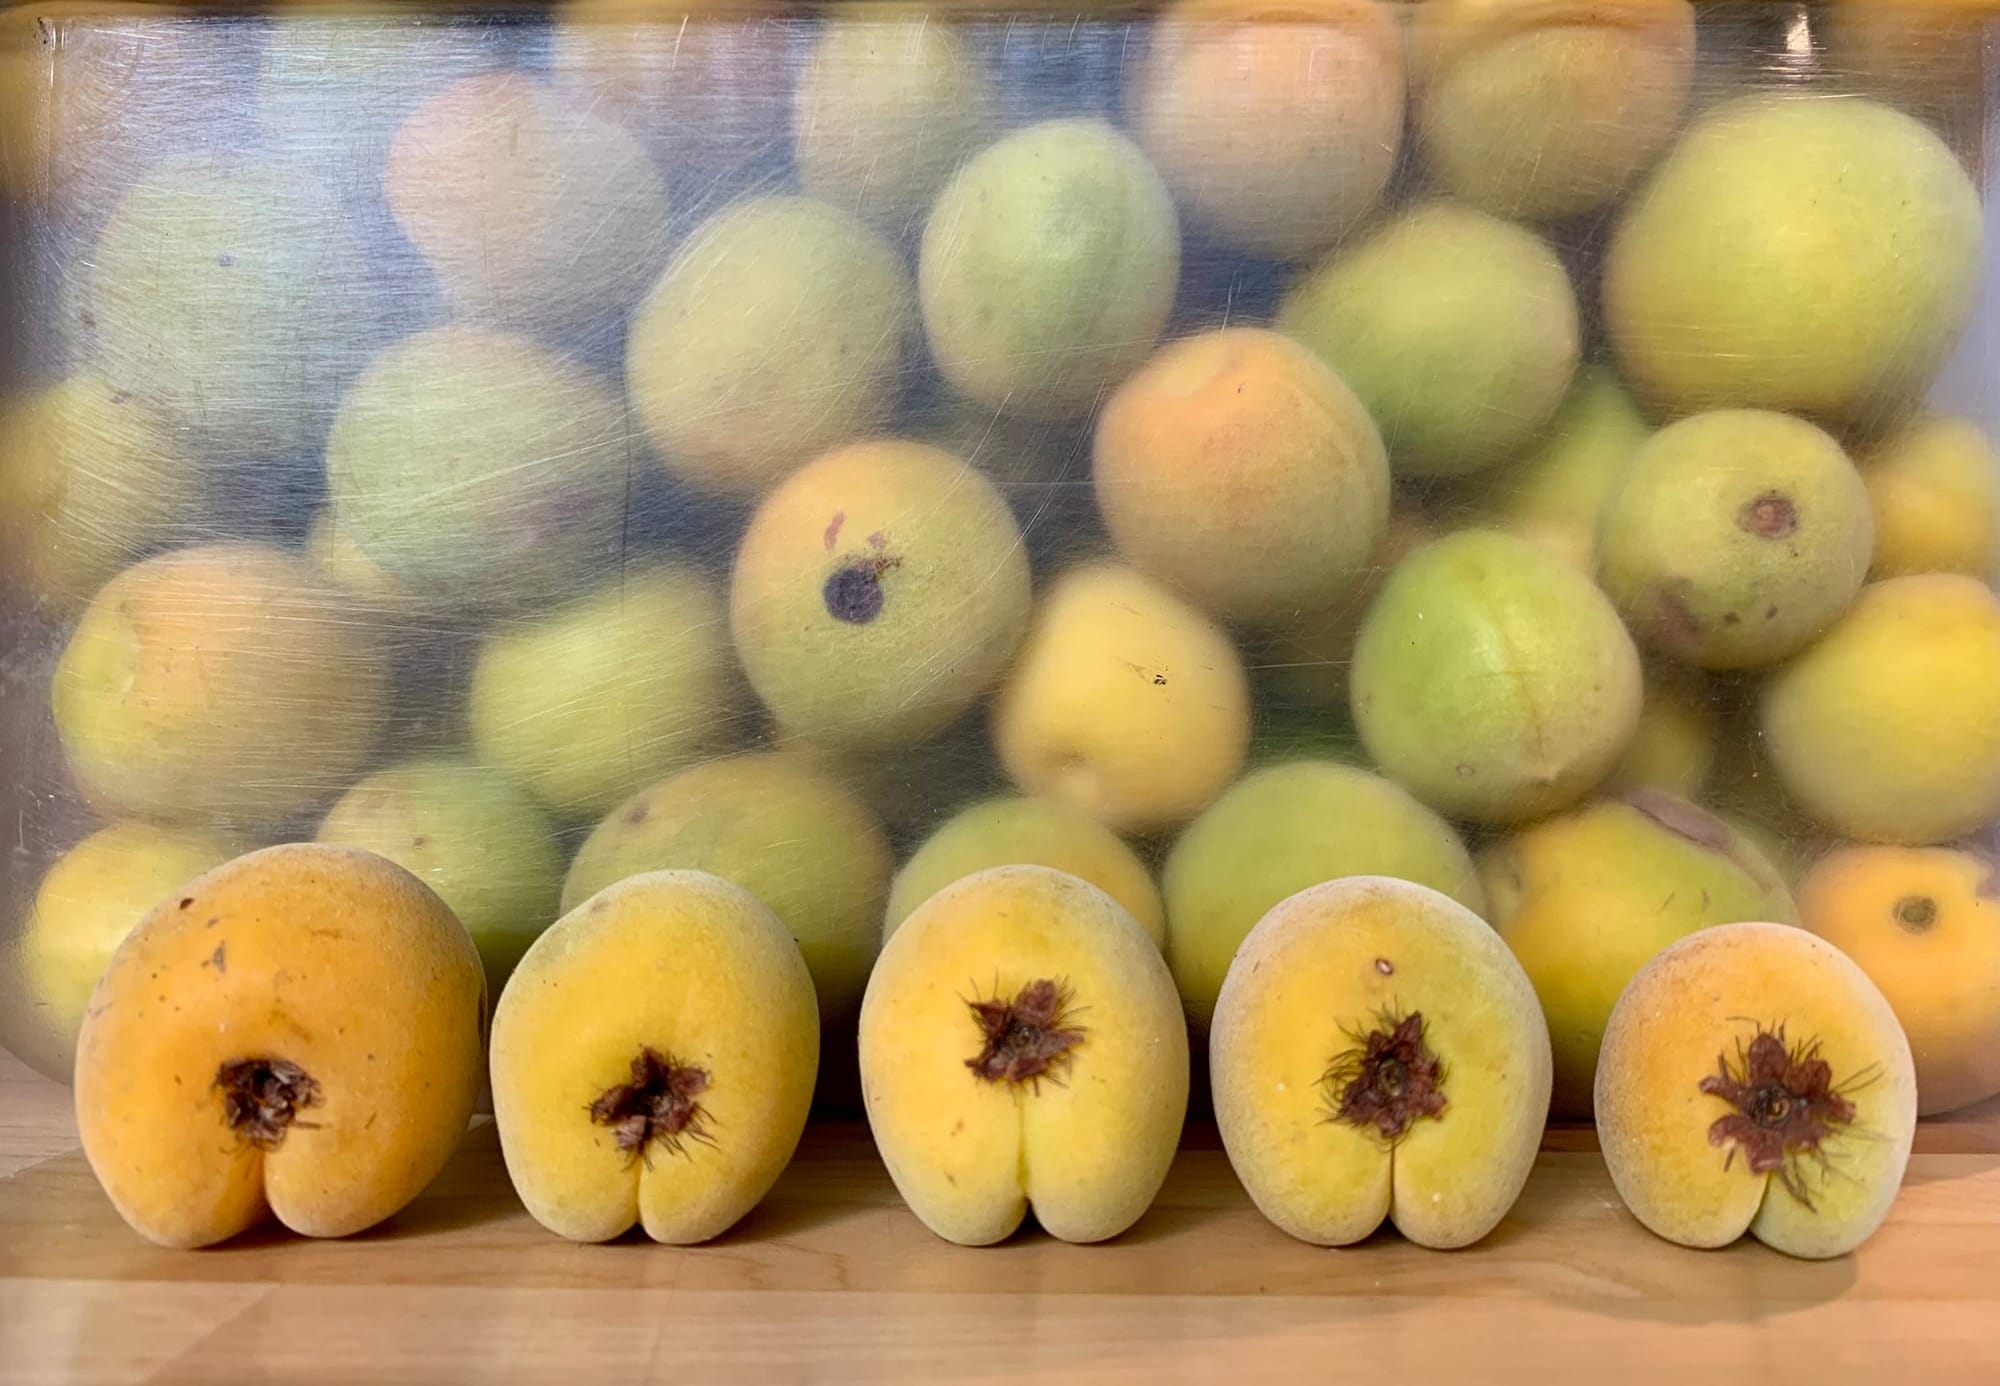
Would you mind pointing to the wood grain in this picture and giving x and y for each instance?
(833, 1280)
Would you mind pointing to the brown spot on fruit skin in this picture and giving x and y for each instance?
(657, 1105)
(1916, 913)
(853, 594)
(832, 535)
(1389, 1081)
(1770, 516)
(1680, 818)
(261, 1099)
(1786, 1106)
(1680, 629)
(1026, 1039)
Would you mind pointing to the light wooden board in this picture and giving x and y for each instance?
(833, 1280)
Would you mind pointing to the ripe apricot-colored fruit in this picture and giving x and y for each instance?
(1753, 1079)
(1378, 1054)
(653, 1060)
(1924, 924)
(298, 1033)
(1236, 467)
(1935, 487)
(1022, 1046)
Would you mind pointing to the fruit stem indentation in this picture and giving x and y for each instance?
(658, 1104)
(261, 1098)
(1027, 1038)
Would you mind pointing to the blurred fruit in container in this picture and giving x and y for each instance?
(1378, 1056)
(1927, 56)
(481, 470)
(534, 212)
(1935, 486)
(469, 835)
(230, 297)
(1888, 729)
(1545, 110)
(1076, 1049)
(774, 824)
(345, 564)
(1736, 538)
(89, 899)
(1280, 830)
(1754, 1080)
(1494, 681)
(1459, 331)
(653, 1061)
(298, 1033)
(1017, 831)
(1276, 122)
(1048, 268)
(586, 703)
(1238, 469)
(1125, 702)
(1678, 740)
(90, 478)
(1795, 253)
(703, 83)
(891, 99)
(879, 592)
(225, 683)
(778, 331)
(1586, 898)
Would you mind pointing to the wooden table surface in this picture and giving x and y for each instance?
(833, 1280)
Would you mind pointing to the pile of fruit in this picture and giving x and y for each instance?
(1405, 541)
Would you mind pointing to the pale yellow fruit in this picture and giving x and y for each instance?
(1935, 488)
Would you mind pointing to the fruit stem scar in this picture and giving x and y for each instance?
(261, 1098)
(1786, 1107)
(1028, 1038)
(853, 592)
(1770, 516)
(1388, 1080)
(1916, 913)
(657, 1104)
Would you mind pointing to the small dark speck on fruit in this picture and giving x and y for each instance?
(219, 959)
(1770, 613)
(213, 920)
(1466, 772)
(226, 261)
(639, 812)
(1159, 680)
(1385, 967)
(187, 902)
(420, 841)
(832, 535)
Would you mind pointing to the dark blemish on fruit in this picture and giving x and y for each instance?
(213, 920)
(1159, 680)
(832, 535)
(1388, 1081)
(219, 959)
(187, 902)
(261, 1099)
(1770, 516)
(1730, 618)
(1680, 818)
(121, 396)
(639, 812)
(226, 261)
(1679, 626)
(1770, 613)
(420, 841)
(854, 593)
(1916, 913)
(1465, 771)
(1385, 967)
(1026, 1039)
(1787, 1106)
(878, 541)
(657, 1105)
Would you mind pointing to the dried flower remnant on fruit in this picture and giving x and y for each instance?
(853, 593)
(1786, 1107)
(1916, 913)
(1027, 1038)
(1388, 1081)
(261, 1098)
(658, 1104)
(1770, 516)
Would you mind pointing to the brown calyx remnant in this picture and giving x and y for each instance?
(1786, 1106)
(854, 592)
(1388, 1081)
(1770, 516)
(1027, 1038)
(1916, 913)
(261, 1098)
(658, 1104)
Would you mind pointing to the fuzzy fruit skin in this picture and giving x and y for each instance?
(1125, 702)
(1547, 110)
(1237, 468)
(1494, 681)
(1735, 538)
(1674, 750)
(221, 683)
(480, 469)
(471, 836)
(778, 331)
(1924, 924)
(1022, 831)
(584, 704)
(1088, 1150)
(327, 957)
(1795, 253)
(774, 824)
(1280, 830)
(1308, 977)
(1687, 1007)
(936, 607)
(1459, 331)
(533, 211)
(1888, 729)
(89, 900)
(1935, 487)
(1276, 122)
(696, 969)
(1586, 898)
(1048, 268)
